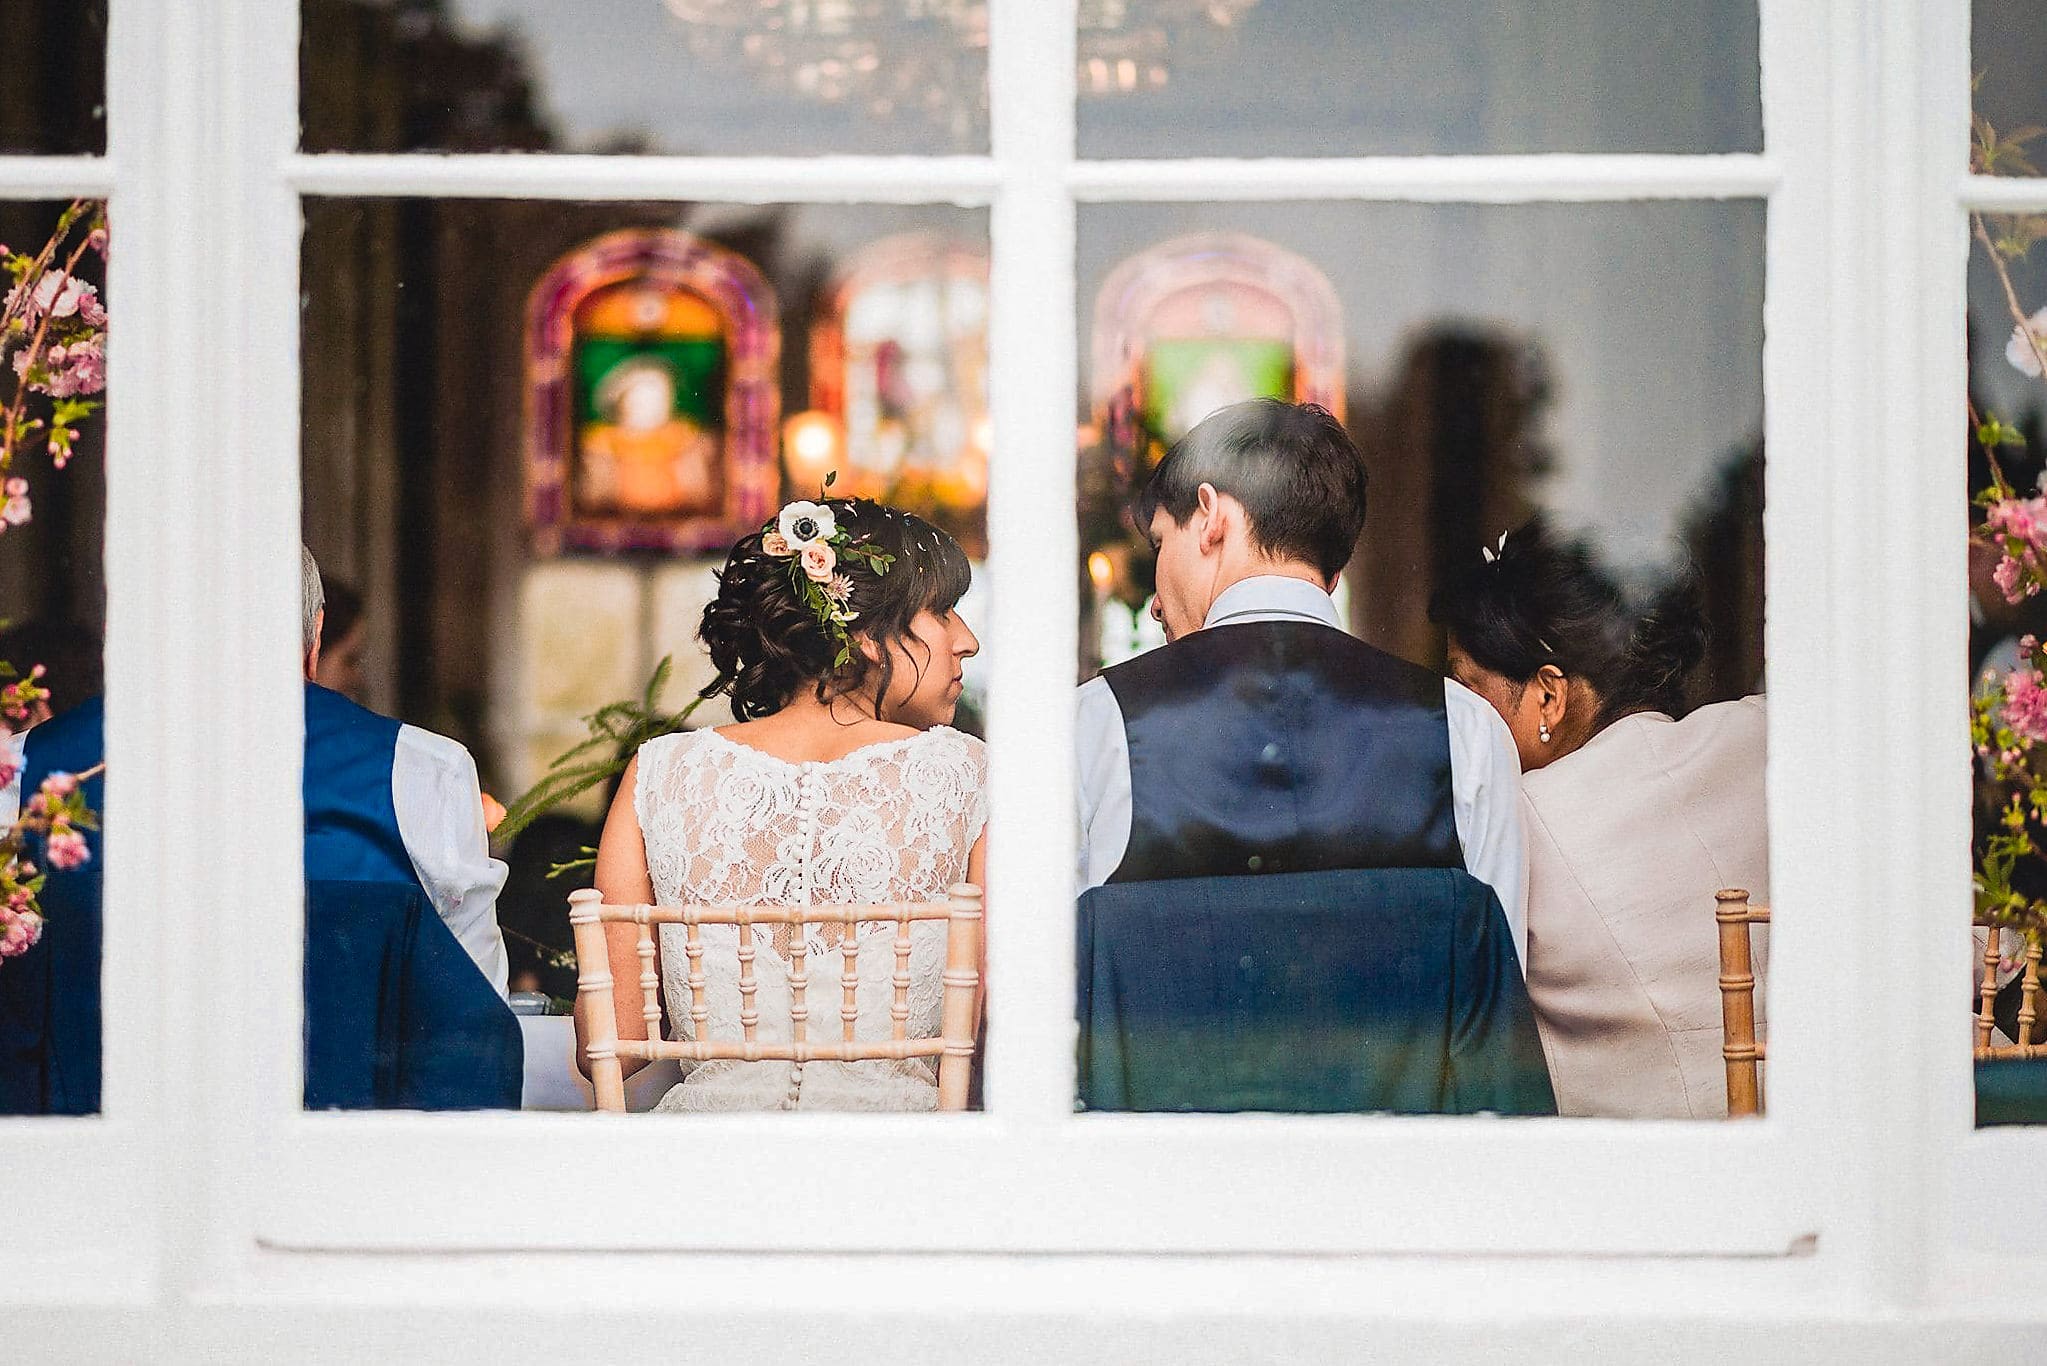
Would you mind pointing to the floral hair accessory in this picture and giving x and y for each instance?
(807, 535)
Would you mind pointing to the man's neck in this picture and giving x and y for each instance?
(1230, 577)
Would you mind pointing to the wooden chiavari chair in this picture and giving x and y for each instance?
(953, 1047)
(1739, 1045)
(2029, 1001)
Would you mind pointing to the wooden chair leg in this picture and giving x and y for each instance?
(1738, 1005)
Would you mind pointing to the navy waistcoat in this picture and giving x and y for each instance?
(1282, 747)
(50, 996)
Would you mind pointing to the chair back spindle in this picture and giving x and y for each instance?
(1740, 1047)
(1987, 1049)
(953, 1048)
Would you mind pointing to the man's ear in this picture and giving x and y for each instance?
(312, 659)
(1214, 514)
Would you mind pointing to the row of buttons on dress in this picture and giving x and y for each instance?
(795, 1086)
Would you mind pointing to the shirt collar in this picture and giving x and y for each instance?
(1272, 597)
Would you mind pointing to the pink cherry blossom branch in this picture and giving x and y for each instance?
(35, 346)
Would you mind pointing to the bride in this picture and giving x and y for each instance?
(834, 634)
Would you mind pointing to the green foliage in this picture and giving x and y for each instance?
(616, 733)
(1997, 153)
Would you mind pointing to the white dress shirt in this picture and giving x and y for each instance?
(439, 804)
(440, 818)
(1485, 769)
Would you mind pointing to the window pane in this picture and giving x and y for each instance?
(728, 77)
(2007, 402)
(54, 100)
(2009, 41)
(1359, 77)
(532, 432)
(1501, 369)
(52, 619)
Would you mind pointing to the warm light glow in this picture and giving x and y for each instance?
(1101, 571)
(812, 444)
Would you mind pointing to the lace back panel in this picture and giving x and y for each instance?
(726, 824)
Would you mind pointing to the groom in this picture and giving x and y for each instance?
(1263, 738)
(1302, 862)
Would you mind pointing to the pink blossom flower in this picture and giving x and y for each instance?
(67, 849)
(840, 589)
(61, 784)
(16, 510)
(2025, 518)
(2007, 577)
(19, 931)
(97, 240)
(819, 560)
(8, 773)
(80, 368)
(2025, 704)
(775, 543)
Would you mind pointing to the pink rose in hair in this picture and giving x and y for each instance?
(819, 561)
(775, 543)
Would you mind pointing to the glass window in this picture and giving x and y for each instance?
(55, 101)
(2007, 331)
(52, 623)
(726, 77)
(532, 432)
(1565, 490)
(2009, 42)
(1175, 78)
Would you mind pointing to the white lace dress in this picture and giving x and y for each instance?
(726, 824)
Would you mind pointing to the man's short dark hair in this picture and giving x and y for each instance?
(1292, 466)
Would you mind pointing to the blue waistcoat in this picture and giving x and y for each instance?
(1282, 747)
(50, 996)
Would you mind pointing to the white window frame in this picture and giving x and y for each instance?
(221, 1188)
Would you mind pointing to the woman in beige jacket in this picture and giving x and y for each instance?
(1634, 819)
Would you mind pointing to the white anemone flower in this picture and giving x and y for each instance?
(802, 523)
(2020, 352)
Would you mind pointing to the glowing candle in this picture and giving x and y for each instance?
(811, 448)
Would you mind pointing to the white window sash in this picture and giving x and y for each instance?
(204, 945)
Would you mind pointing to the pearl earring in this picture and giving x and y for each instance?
(1542, 729)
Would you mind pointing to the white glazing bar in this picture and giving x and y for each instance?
(55, 177)
(1901, 512)
(1808, 278)
(247, 604)
(2005, 194)
(1434, 179)
(1034, 540)
(967, 181)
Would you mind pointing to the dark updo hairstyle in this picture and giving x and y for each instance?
(767, 643)
(1540, 601)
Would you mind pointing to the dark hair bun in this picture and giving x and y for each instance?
(1667, 643)
(1540, 599)
(766, 641)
